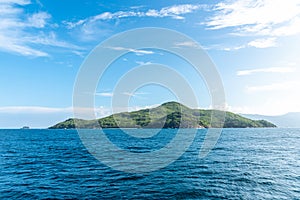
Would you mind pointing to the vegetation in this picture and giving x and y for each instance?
(167, 115)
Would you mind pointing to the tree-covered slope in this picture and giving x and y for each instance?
(167, 115)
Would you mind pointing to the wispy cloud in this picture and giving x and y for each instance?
(104, 94)
(13, 24)
(134, 94)
(129, 94)
(263, 43)
(110, 94)
(175, 12)
(19, 2)
(260, 43)
(33, 110)
(91, 27)
(186, 44)
(143, 63)
(274, 87)
(232, 48)
(79, 53)
(51, 40)
(138, 52)
(21, 31)
(38, 20)
(266, 70)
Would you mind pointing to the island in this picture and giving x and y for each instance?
(25, 127)
(167, 115)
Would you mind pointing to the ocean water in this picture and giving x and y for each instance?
(244, 164)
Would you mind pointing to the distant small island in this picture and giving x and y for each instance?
(167, 115)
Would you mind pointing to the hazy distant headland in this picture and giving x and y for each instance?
(289, 120)
(167, 115)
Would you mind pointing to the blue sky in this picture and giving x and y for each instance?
(254, 45)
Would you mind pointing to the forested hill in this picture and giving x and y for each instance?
(167, 115)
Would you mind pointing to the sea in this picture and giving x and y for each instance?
(244, 164)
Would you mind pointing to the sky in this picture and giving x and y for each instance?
(43, 43)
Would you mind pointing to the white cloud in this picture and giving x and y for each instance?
(104, 94)
(90, 28)
(292, 28)
(33, 110)
(51, 40)
(103, 111)
(134, 94)
(38, 20)
(266, 70)
(281, 86)
(8, 44)
(271, 18)
(140, 52)
(143, 63)
(263, 43)
(234, 48)
(115, 109)
(278, 105)
(261, 109)
(282, 97)
(135, 108)
(187, 44)
(12, 29)
(102, 16)
(152, 13)
(71, 25)
(136, 51)
(129, 94)
(175, 12)
(137, 7)
(260, 17)
(271, 96)
(20, 2)
(21, 32)
(79, 53)
(110, 94)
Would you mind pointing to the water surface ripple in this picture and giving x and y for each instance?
(245, 164)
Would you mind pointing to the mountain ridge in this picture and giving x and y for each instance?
(166, 115)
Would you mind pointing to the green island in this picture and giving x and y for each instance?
(167, 115)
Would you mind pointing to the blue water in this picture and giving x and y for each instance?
(245, 164)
